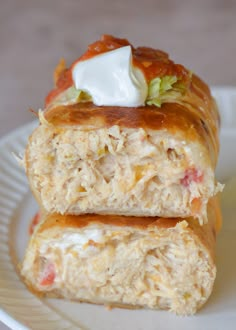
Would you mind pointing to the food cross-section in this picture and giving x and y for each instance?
(122, 165)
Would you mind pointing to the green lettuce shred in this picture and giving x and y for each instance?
(164, 90)
(160, 90)
(71, 96)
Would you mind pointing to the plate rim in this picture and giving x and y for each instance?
(5, 317)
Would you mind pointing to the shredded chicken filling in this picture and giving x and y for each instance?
(166, 268)
(126, 170)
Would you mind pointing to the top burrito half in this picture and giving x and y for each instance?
(157, 159)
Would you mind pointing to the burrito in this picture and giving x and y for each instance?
(126, 131)
(119, 261)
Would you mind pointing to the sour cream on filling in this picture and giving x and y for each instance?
(111, 79)
(75, 241)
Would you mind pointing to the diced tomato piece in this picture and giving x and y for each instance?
(48, 275)
(34, 222)
(191, 175)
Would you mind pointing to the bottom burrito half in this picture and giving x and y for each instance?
(117, 261)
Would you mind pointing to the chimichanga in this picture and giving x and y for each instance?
(156, 158)
(118, 261)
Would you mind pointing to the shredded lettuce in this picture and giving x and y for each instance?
(71, 96)
(160, 90)
(163, 90)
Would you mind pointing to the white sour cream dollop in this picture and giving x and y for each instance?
(111, 79)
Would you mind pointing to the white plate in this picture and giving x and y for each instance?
(22, 310)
